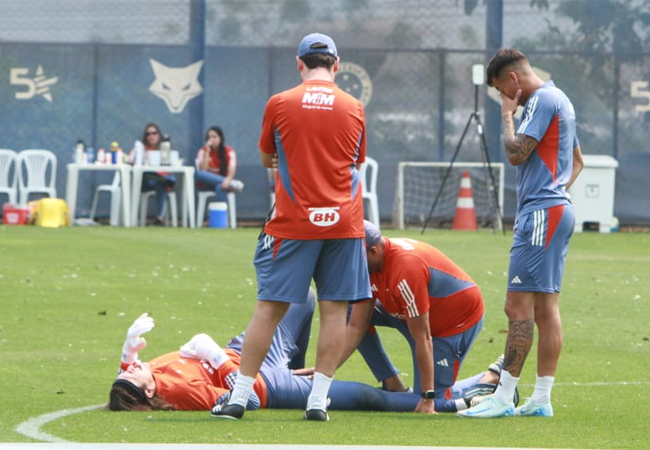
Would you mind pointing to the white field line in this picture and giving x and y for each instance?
(598, 383)
(31, 428)
(71, 446)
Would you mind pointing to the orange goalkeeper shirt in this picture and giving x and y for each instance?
(192, 384)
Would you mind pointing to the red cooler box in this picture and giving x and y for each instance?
(13, 215)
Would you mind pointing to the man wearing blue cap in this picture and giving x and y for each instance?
(316, 133)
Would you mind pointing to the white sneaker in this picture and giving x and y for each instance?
(535, 409)
(237, 185)
(488, 408)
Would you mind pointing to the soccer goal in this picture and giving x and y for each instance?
(418, 184)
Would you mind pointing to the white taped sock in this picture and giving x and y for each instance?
(318, 397)
(242, 390)
(460, 404)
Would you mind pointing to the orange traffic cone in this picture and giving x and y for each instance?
(465, 218)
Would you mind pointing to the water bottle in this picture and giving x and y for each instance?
(90, 155)
(139, 153)
(79, 154)
(116, 153)
(165, 151)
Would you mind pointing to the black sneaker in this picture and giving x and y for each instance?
(227, 411)
(480, 390)
(496, 366)
(317, 415)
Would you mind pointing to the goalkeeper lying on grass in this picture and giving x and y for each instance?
(201, 375)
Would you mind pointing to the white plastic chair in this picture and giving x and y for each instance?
(203, 203)
(33, 168)
(115, 190)
(271, 173)
(9, 178)
(171, 202)
(369, 188)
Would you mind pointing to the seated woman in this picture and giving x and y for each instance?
(216, 165)
(202, 374)
(160, 182)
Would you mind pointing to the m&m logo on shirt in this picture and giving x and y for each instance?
(324, 217)
(318, 97)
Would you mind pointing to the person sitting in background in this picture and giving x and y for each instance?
(216, 165)
(208, 373)
(160, 182)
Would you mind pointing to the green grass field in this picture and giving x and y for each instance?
(68, 295)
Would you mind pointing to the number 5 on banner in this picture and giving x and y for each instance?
(16, 77)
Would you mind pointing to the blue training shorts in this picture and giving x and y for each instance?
(539, 249)
(285, 268)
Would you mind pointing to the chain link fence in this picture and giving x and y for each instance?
(99, 71)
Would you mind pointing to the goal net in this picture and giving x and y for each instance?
(418, 184)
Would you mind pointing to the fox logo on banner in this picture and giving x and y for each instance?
(176, 85)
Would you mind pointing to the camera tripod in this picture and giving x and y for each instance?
(487, 166)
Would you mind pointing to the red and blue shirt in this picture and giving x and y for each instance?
(318, 132)
(418, 278)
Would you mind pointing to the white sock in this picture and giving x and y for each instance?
(506, 388)
(542, 392)
(242, 390)
(320, 387)
(460, 404)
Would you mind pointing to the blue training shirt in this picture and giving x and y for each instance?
(550, 119)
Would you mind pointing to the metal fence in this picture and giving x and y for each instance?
(99, 71)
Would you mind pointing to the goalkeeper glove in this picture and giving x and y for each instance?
(134, 341)
(204, 347)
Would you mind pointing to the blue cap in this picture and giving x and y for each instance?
(373, 235)
(316, 43)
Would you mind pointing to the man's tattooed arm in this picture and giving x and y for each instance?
(518, 146)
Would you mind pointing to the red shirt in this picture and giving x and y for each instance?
(319, 134)
(417, 278)
(214, 164)
(192, 384)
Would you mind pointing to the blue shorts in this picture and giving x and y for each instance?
(449, 352)
(539, 249)
(285, 268)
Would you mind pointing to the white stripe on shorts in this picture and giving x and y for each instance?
(539, 224)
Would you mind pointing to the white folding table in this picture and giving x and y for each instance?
(72, 184)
